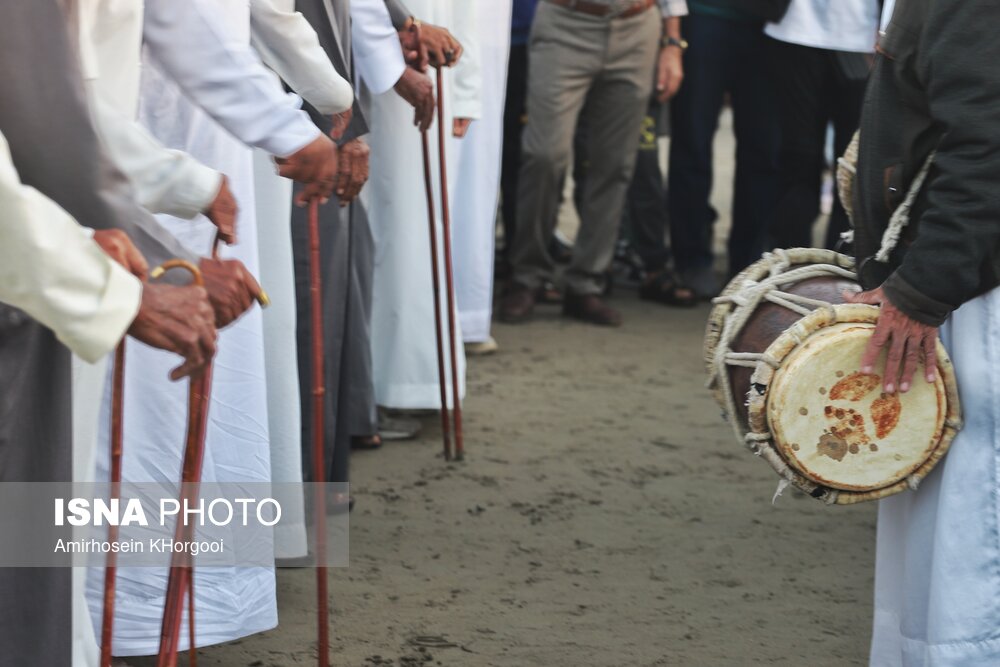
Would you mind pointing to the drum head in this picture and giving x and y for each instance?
(837, 427)
(834, 427)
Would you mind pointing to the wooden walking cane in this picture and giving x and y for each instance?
(111, 566)
(448, 270)
(319, 450)
(181, 579)
(436, 282)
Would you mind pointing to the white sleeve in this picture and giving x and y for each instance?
(192, 44)
(378, 54)
(164, 180)
(288, 45)
(467, 84)
(51, 269)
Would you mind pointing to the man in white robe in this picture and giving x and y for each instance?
(403, 339)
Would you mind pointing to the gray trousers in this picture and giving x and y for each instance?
(35, 446)
(581, 63)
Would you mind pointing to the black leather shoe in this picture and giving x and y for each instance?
(517, 304)
(591, 308)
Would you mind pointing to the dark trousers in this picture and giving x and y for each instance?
(644, 220)
(814, 88)
(514, 115)
(725, 56)
(35, 446)
(347, 254)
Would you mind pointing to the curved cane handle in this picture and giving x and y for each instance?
(263, 299)
(195, 272)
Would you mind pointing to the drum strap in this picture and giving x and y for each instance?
(900, 217)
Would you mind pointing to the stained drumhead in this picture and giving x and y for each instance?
(837, 427)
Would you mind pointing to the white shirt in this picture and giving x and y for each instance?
(839, 25)
(51, 268)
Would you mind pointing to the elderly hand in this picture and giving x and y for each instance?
(417, 89)
(231, 287)
(909, 341)
(341, 121)
(179, 320)
(442, 49)
(414, 51)
(118, 246)
(222, 212)
(314, 165)
(353, 170)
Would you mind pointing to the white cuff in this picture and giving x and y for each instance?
(91, 338)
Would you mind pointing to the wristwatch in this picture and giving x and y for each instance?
(666, 41)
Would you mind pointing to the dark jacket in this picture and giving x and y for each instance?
(935, 86)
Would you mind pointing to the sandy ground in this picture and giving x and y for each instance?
(605, 516)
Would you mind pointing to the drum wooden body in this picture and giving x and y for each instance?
(783, 352)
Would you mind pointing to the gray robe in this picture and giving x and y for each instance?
(347, 253)
(43, 114)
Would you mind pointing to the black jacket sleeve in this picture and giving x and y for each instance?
(951, 259)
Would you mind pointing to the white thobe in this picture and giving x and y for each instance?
(289, 46)
(198, 52)
(51, 268)
(163, 181)
(937, 567)
(477, 166)
(404, 352)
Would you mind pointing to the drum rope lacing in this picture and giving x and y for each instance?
(747, 299)
(751, 295)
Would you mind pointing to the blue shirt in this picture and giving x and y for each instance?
(520, 24)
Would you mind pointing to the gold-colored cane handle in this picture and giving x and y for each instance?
(262, 298)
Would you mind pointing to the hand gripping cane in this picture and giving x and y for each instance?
(449, 281)
(181, 579)
(117, 448)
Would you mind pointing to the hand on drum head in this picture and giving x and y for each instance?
(909, 341)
